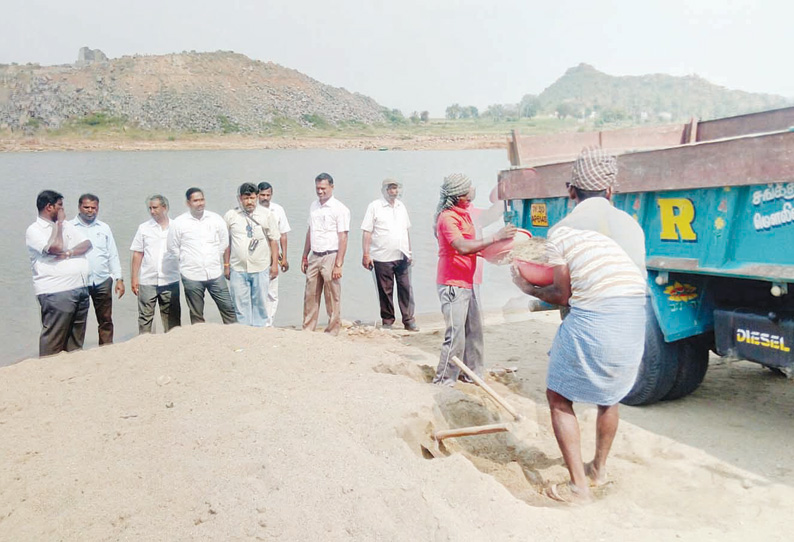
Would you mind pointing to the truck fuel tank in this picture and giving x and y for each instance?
(765, 337)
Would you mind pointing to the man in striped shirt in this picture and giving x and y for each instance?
(598, 254)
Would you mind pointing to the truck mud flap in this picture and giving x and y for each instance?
(763, 337)
(683, 303)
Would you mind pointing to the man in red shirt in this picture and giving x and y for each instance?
(457, 260)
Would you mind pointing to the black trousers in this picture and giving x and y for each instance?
(219, 292)
(386, 274)
(63, 320)
(102, 298)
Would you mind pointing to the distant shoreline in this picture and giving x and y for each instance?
(39, 143)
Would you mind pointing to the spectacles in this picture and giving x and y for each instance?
(249, 230)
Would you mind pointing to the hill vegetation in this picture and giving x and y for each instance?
(583, 90)
(590, 95)
(219, 92)
(187, 96)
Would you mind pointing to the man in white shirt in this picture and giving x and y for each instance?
(154, 275)
(254, 235)
(323, 256)
(60, 273)
(103, 263)
(387, 252)
(265, 195)
(200, 242)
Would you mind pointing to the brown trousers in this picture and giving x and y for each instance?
(319, 282)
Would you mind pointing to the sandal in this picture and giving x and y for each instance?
(566, 493)
(595, 482)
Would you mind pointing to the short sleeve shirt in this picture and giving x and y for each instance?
(600, 269)
(454, 268)
(389, 226)
(599, 215)
(198, 244)
(158, 267)
(326, 221)
(281, 216)
(51, 275)
(259, 227)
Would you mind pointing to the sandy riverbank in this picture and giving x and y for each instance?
(219, 433)
(229, 142)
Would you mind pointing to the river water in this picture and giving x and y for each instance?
(123, 180)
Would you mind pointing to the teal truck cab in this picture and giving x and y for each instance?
(716, 202)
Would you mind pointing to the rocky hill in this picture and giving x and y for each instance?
(198, 92)
(584, 88)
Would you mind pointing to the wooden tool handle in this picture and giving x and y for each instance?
(467, 431)
(480, 382)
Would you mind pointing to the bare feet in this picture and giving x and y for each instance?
(597, 478)
(568, 493)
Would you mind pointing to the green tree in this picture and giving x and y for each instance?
(454, 111)
(529, 106)
(613, 114)
(394, 116)
(424, 116)
(495, 111)
(566, 109)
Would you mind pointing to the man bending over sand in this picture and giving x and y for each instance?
(598, 348)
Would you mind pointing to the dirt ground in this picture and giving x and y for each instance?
(742, 413)
(231, 433)
(229, 142)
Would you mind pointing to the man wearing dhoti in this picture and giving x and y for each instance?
(598, 254)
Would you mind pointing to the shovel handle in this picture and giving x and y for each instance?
(480, 382)
(467, 431)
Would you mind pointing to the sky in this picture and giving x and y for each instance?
(417, 55)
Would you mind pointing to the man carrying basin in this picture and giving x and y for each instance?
(598, 259)
(457, 260)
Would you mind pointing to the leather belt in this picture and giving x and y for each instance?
(326, 253)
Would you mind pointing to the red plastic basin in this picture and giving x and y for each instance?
(497, 251)
(539, 274)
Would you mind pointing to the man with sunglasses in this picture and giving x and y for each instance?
(253, 259)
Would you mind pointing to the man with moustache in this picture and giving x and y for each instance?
(154, 275)
(60, 273)
(254, 235)
(103, 263)
(199, 240)
(324, 255)
(387, 252)
(265, 200)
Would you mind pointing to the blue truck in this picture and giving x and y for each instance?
(716, 202)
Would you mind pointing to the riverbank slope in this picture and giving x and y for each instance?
(214, 432)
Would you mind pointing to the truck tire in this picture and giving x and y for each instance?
(658, 368)
(693, 362)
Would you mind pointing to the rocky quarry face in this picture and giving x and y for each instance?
(196, 92)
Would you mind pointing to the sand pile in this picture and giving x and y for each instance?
(230, 433)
